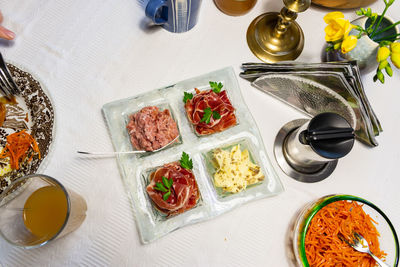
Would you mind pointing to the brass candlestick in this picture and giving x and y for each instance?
(274, 36)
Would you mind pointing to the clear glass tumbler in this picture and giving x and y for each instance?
(36, 209)
(235, 7)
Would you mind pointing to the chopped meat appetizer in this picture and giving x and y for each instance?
(151, 129)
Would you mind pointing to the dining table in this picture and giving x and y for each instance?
(89, 53)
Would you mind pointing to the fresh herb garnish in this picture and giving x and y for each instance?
(207, 115)
(216, 87)
(165, 187)
(216, 115)
(166, 195)
(187, 96)
(160, 187)
(186, 162)
(168, 182)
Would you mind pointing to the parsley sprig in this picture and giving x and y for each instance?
(165, 187)
(207, 115)
(166, 184)
(216, 87)
(186, 162)
(187, 96)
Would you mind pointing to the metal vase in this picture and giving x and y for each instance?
(365, 51)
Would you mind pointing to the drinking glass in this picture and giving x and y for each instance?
(37, 209)
(235, 7)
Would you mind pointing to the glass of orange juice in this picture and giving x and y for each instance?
(36, 209)
(235, 7)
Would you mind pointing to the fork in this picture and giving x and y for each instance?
(360, 244)
(7, 84)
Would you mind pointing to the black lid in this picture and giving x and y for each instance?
(329, 135)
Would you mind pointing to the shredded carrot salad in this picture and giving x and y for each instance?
(324, 248)
(17, 148)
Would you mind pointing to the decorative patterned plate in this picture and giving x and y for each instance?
(34, 113)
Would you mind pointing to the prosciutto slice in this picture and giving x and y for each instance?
(217, 102)
(184, 190)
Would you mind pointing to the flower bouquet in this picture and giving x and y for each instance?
(341, 35)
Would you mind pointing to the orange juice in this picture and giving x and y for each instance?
(45, 211)
(235, 7)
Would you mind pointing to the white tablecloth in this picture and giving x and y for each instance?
(91, 52)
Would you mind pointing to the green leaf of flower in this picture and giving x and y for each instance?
(381, 78)
(383, 64)
(337, 46)
(384, 43)
(389, 70)
(170, 182)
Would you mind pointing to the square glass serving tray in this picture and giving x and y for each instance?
(135, 169)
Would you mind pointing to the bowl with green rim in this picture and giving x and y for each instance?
(388, 239)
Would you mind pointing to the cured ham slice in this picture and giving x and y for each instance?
(184, 191)
(217, 102)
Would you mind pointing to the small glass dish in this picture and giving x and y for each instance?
(158, 215)
(388, 240)
(161, 107)
(210, 164)
(205, 87)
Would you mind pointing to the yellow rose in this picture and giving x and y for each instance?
(349, 43)
(337, 29)
(395, 57)
(383, 53)
(395, 47)
(332, 16)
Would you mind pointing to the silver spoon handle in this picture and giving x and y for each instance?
(378, 260)
(109, 153)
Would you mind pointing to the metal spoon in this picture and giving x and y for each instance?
(110, 154)
(360, 244)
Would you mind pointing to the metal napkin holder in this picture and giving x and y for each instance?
(314, 88)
